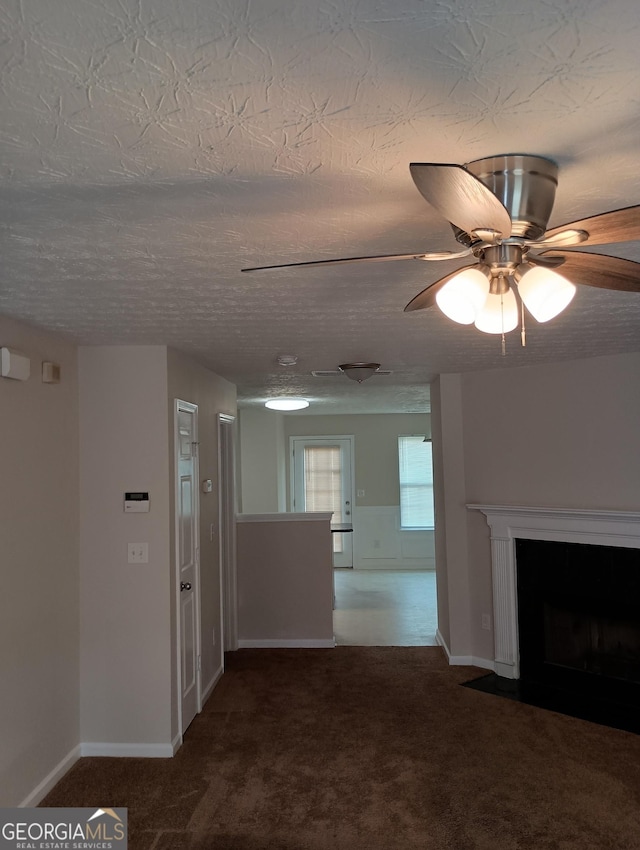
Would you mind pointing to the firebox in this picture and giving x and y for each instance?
(579, 618)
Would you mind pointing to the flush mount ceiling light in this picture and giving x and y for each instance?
(359, 371)
(356, 371)
(498, 208)
(286, 403)
(287, 359)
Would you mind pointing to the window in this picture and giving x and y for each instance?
(416, 482)
(323, 484)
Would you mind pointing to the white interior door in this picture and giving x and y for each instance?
(322, 480)
(187, 545)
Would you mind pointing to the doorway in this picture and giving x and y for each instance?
(227, 537)
(322, 480)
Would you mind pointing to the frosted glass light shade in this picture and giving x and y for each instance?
(286, 403)
(461, 299)
(499, 313)
(545, 293)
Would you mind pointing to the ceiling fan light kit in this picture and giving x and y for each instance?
(464, 296)
(499, 313)
(545, 293)
(498, 208)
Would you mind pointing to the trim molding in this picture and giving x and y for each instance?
(206, 693)
(471, 661)
(131, 750)
(176, 744)
(300, 643)
(464, 660)
(42, 789)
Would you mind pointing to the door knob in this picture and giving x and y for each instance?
(185, 585)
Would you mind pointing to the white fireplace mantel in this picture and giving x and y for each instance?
(568, 525)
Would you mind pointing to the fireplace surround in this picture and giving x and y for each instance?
(509, 523)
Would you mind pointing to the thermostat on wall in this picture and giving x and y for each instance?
(136, 503)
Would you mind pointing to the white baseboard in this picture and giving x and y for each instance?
(300, 643)
(464, 660)
(146, 751)
(42, 789)
(206, 693)
(471, 661)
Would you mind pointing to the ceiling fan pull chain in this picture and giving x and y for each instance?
(504, 341)
(523, 330)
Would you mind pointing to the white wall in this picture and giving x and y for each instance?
(39, 715)
(125, 630)
(188, 381)
(562, 435)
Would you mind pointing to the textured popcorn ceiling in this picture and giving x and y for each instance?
(153, 148)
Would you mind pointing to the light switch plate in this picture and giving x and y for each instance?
(138, 553)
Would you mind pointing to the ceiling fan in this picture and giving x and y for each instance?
(499, 208)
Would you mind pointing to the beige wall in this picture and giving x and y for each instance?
(563, 435)
(566, 434)
(452, 552)
(376, 447)
(378, 541)
(285, 580)
(188, 381)
(262, 467)
(86, 640)
(39, 716)
(125, 609)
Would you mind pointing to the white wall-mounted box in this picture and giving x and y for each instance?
(14, 365)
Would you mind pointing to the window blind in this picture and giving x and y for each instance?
(416, 482)
(323, 484)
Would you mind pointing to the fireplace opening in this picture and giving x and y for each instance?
(579, 620)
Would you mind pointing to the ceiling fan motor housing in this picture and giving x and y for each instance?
(525, 185)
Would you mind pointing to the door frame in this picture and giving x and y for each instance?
(227, 532)
(188, 407)
(323, 438)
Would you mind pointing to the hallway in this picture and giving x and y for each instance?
(385, 608)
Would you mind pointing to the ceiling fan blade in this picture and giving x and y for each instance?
(599, 270)
(381, 258)
(561, 239)
(461, 198)
(616, 226)
(427, 298)
(377, 259)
